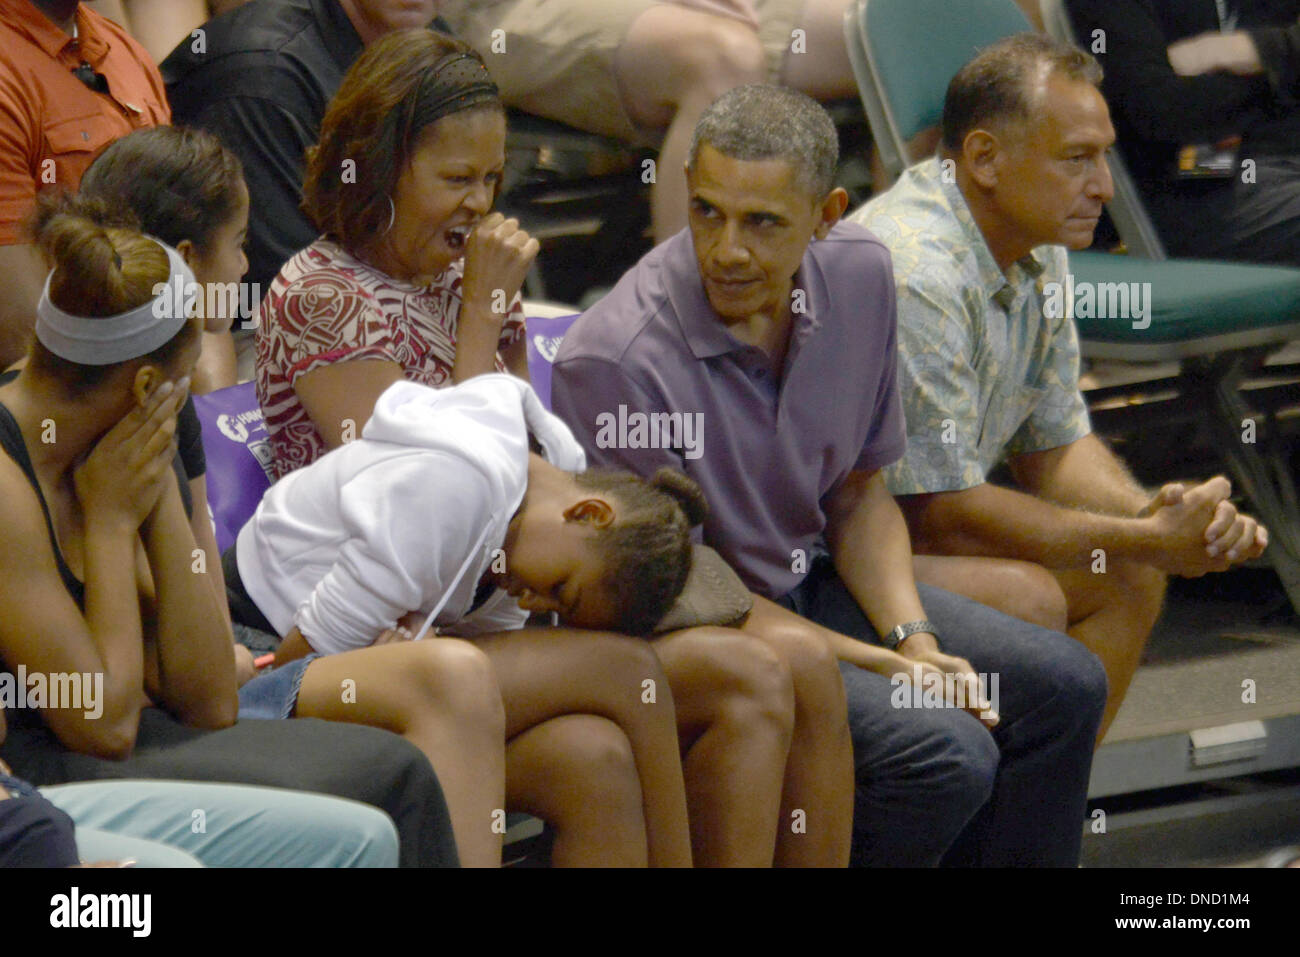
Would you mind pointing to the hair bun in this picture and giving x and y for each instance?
(102, 265)
(685, 491)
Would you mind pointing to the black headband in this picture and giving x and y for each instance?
(457, 82)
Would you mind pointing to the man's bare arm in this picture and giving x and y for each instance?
(1087, 475)
(1082, 500)
(872, 552)
(989, 520)
(22, 274)
(1083, 474)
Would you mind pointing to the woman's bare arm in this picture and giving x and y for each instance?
(160, 25)
(193, 661)
(340, 398)
(42, 629)
(206, 541)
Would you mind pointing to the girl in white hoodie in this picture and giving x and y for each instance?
(439, 516)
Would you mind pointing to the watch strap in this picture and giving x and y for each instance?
(902, 632)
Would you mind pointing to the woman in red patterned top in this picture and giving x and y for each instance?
(413, 276)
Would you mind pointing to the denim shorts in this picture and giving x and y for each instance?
(274, 694)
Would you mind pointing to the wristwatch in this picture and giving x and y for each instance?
(905, 630)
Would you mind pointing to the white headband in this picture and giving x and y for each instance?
(128, 335)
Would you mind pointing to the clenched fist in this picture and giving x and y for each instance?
(498, 255)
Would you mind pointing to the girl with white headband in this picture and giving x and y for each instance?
(98, 573)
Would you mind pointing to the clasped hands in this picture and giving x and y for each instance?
(956, 676)
(1196, 530)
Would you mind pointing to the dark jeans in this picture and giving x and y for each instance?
(933, 785)
(1248, 222)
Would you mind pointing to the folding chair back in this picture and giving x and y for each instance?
(904, 52)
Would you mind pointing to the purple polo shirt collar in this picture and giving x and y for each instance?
(706, 334)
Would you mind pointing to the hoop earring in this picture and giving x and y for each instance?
(392, 216)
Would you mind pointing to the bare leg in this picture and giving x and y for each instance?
(735, 712)
(1021, 589)
(822, 70)
(1112, 614)
(819, 774)
(675, 62)
(441, 696)
(544, 673)
(547, 768)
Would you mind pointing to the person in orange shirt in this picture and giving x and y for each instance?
(71, 82)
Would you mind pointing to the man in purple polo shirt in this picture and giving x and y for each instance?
(756, 352)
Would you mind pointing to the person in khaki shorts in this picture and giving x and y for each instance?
(636, 70)
(644, 70)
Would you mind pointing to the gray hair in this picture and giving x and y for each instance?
(763, 122)
(1000, 84)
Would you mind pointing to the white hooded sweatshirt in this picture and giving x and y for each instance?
(406, 518)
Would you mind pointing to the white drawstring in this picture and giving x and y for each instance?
(446, 595)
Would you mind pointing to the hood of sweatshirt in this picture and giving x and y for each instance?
(406, 518)
(485, 420)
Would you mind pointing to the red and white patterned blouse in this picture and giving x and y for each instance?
(326, 306)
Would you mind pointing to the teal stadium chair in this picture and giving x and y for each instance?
(1219, 321)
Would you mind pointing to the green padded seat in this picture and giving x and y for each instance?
(1189, 298)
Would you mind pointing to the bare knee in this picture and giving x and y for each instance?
(635, 691)
(672, 53)
(635, 660)
(1038, 596)
(1140, 588)
(594, 744)
(757, 687)
(804, 650)
(452, 677)
(814, 670)
(596, 756)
